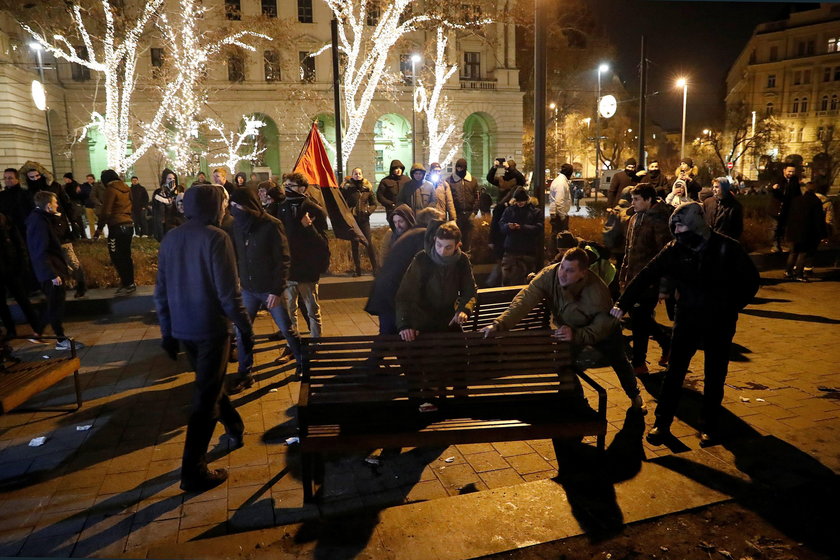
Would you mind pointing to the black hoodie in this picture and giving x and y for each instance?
(308, 245)
(197, 288)
(390, 186)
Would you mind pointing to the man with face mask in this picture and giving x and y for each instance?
(653, 176)
(464, 189)
(701, 265)
(621, 181)
(724, 213)
(390, 186)
(164, 211)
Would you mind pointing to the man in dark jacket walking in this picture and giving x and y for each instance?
(522, 224)
(139, 207)
(647, 234)
(724, 213)
(358, 193)
(262, 253)
(306, 229)
(784, 192)
(13, 262)
(16, 202)
(621, 181)
(390, 186)
(701, 264)
(806, 228)
(116, 214)
(197, 296)
(465, 198)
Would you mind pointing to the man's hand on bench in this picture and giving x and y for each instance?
(409, 335)
(459, 318)
(564, 333)
(489, 329)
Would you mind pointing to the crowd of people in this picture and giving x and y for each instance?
(231, 248)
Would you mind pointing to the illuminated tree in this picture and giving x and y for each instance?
(434, 104)
(232, 144)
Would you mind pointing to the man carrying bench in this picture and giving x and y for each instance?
(580, 307)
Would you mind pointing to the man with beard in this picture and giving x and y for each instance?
(464, 189)
(139, 205)
(785, 192)
(306, 229)
(390, 186)
(560, 200)
(197, 296)
(116, 214)
(16, 202)
(724, 213)
(701, 264)
(358, 193)
(401, 220)
(653, 176)
(621, 181)
(262, 253)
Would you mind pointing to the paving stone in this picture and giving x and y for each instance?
(500, 478)
(510, 448)
(487, 461)
(198, 514)
(530, 463)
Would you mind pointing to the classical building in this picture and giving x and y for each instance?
(791, 69)
(281, 84)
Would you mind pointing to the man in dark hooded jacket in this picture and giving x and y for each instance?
(522, 224)
(16, 202)
(701, 265)
(196, 296)
(390, 186)
(306, 229)
(620, 181)
(784, 193)
(417, 193)
(116, 214)
(465, 198)
(262, 252)
(401, 220)
(724, 213)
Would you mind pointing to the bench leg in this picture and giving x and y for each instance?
(600, 442)
(306, 477)
(78, 388)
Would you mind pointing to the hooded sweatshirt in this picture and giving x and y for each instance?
(724, 213)
(417, 194)
(116, 207)
(389, 187)
(197, 288)
(308, 245)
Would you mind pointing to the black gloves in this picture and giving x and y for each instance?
(170, 346)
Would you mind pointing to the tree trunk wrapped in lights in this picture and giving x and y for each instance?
(440, 122)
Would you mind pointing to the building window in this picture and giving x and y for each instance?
(769, 109)
(827, 74)
(236, 68)
(156, 54)
(797, 77)
(307, 67)
(374, 12)
(774, 53)
(824, 103)
(805, 48)
(837, 73)
(233, 10)
(806, 77)
(379, 161)
(833, 45)
(771, 81)
(405, 68)
(800, 134)
(472, 66)
(795, 107)
(803, 108)
(834, 102)
(78, 72)
(269, 8)
(305, 11)
(271, 63)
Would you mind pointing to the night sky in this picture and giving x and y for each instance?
(700, 40)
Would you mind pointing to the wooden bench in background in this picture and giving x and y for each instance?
(360, 393)
(492, 302)
(24, 379)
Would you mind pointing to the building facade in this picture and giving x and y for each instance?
(280, 84)
(790, 69)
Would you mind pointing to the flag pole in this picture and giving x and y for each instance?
(339, 164)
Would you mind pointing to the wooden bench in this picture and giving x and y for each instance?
(19, 381)
(492, 302)
(360, 393)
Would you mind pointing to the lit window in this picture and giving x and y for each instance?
(269, 8)
(236, 68)
(233, 10)
(832, 45)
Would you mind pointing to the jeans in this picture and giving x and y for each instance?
(309, 292)
(364, 225)
(210, 403)
(54, 308)
(644, 325)
(119, 249)
(612, 348)
(690, 330)
(280, 314)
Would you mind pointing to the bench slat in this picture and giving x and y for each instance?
(26, 379)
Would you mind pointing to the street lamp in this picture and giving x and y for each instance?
(553, 106)
(683, 83)
(415, 58)
(602, 68)
(37, 48)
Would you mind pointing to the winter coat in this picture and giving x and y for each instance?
(444, 202)
(464, 193)
(725, 215)
(497, 236)
(197, 289)
(783, 197)
(139, 200)
(383, 293)
(165, 214)
(526, 239)
(116, 208)
(647, 234)
(262, 250)
(584, 306)
(360, 198)
(407, 214)
(389, 187)
(619, 182)
(308, 245)
(45, 252)
(97, 197)
(417, 194)
(806, 222)
(13, 256)
(660, 183)
(430, 294)
(17, 203)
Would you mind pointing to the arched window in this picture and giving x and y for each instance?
(795, 108)
(834, 102)
(769, 110)
(824, 103)
(804, 106)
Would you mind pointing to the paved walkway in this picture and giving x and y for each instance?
(105, 482)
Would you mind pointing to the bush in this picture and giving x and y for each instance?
(100, 273)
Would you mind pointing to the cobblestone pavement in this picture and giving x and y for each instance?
(112, 489)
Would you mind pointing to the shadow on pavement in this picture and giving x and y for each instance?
(787, 316)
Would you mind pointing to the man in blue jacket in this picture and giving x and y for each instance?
(197, 295)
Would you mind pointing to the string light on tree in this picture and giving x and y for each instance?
(234, 142)
(440, 122)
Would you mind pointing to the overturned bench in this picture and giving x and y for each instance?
(360, 393)
(21, 380)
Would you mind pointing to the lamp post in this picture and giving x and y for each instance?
(683, 83)
(601, 68)
(415, 58)
(553, 107)
(37, 48)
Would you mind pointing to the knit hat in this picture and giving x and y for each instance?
(630, 161)
(521, 194)
(688, 161)
(566, 240)
(108, 175)
(68, 176)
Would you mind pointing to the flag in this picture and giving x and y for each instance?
(314, 164)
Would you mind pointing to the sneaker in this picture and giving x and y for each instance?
(209, 480)
(285, 357)
(65, 344)
(788, 275)
(641, 370)
(128, 290)
(802, 279)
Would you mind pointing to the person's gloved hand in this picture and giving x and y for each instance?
(170, 346)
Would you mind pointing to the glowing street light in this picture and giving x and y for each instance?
(39, 97)
(602, 68)
(683, 83)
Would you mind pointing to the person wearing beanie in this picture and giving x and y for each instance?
(522, 224)
(390, 186)
(621, 181)
(701, 265)
(464, 189)
(197, 296)
(116, 214)
(724, 213)
(687, 172)
(417, 193)
(358, 193)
